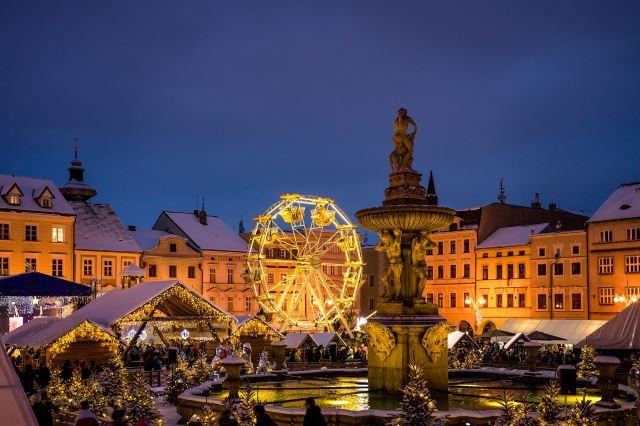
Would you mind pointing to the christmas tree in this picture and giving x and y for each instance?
(179, 380)
(586, 366)
(57, 391)
(209, 416)
(510, 410)
(525, 406)
(264, 366)
(417, 406)
(581, 414)
(201, 371)
(139, 400)
(89, 390)
(549, 408)
(464, 358)
(242, 408)
(114, 380)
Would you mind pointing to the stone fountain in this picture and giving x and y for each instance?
(405, 328)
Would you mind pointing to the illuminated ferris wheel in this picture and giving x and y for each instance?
(305, 262)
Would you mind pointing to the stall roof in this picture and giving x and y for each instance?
(295, 340)
(37, 284)
(323, 339)
(119, 303)
(572, 331)
(516, 337)
(620, 332)
(456, 336)
(14, 405)
(243, 320)
(43, 331)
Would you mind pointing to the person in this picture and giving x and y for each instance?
(262, 418)
(44, 375)
(118, 415)
(66, 372)
(226, 419)
(27, 379)
(313, 416)
(42, 409)
(85, 371)
(85, 417)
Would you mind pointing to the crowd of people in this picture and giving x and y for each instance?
(552, 354)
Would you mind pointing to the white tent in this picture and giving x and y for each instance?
(572, 331)
(620, 332)
(13, 402)
(43, 331)
(325, 338)
(517, 337)
(456, 336)
(295, 340)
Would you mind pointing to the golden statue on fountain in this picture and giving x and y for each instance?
(402, 156)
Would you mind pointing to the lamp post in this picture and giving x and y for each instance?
(476, 305)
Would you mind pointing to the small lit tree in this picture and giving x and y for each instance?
(179, 380)
(242, 408)
(510, 411)
(417, 406)
(139, 399)
(525, 406)
(57, 390)
(581, 414)
(114, 380)
(586, 366)
(549, 407)
(201, 371)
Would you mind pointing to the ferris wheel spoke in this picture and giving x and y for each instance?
(337, 305)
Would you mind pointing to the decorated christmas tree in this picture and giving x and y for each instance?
(417, 406)
(586, 366)
(114, 380)
(209, 416)
(89, 390)
(581, 414)
(465, 358)
(57, 391)
(139, 400)
(549, 407)
(510, 410)
(179, 380)
(525, 406)
(202, 371)
(242, 408)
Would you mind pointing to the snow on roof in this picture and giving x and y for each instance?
(624, 203)
(620, 332)
(572, 331)
(31, 188)
(98, 228)
(455, 336)
(132, 270)
(43, 331)
(323, 339)
(148, 239)
(14, 405)
(512, 236)
(215, 235)
(294, 340)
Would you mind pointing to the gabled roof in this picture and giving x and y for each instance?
(456, 336)
(98, 228)
(325, 338)
(295, 340)
(624, 203)
(118, 304)
(620, 332)
(148, 239)
(571, 330)
(38, 284)
(245, 320)
(43, 331)
(31, 189)
(214, 236)
(512, 236)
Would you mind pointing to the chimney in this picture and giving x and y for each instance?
(203, 217)
(132, 228)
(536, 201)
(552, 206)
(196, 213)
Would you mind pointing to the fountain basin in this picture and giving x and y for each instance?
(407, 217)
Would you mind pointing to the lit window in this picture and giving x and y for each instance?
(57, 234)
(13, 199)
(30, 264)
(440, 300)
(45, 202)
(270, 278)
(558, 301)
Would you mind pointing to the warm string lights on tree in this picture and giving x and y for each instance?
(549, 407)
(417, 406)
(242, 408)
(178, 381)
(114, 380)
(586, 367)
(85, 332)
(86, 390)
(139, 401)
(202, 371)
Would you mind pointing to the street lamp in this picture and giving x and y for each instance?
(476, 305)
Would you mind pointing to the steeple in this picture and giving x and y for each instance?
(76, 189)
(241, 229)
(432, 197)
(501, 194)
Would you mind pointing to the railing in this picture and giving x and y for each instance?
(292, 366)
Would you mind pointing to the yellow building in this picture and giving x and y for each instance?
(559, 275)
(451, 274)
(36, 228)
(503, 274)
(613, 236)
(370, 294)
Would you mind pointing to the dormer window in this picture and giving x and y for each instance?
(12, 196)
(45, 199)
(13, 199)
(46, 203)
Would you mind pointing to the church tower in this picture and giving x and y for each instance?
(432, 197)
(76, 189)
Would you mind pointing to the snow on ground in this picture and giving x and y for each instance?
(168, 412)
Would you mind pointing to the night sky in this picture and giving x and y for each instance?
(243, 101)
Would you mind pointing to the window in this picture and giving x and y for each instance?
(372, 303)
(452, 271)
(498, 300)
(575, 249)
(509, 253)
(521, 253)
(45, 202)
(521, 270)
(465, 246)
(271, 278)
(87, 267)
(30, 264)
(542, 301)
(229, 304)
(606, 295)
(429, 272)
(4, 231)
(576, 301)
(282, 254)
(440, 247)
(429, 252)
(440, 300)
(485, 299)
(247, 304)
(466, 297)
(576, 268)
(212, 275)
(485, 272)
(440, 272)
(4, 266)
(153, 271)
(499, 254)
(521, 300)
(126, 263)
(632, 264)
(230, 276)
(13, 199)
(606, 236)
(510, 271)
(485, 254)
(558, 301)
(452, 300)
(605, 265)
(429, 297)
(191, 272)
(558, 268)
(541, 252)
(371, 281)
(509, 300)
(633, 292)
(173, 247)
(173, 271)
(56, 267)
(57, 234)
(498, 272)
(452, 247)
(542, 270)
(466, 270)
(31, 233)
(107, 268)
(633, 234)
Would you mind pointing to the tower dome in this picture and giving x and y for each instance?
(76, 189)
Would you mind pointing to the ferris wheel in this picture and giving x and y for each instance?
(305, 262)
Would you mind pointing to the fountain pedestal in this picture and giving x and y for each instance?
(405, 328)
(607, 366)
